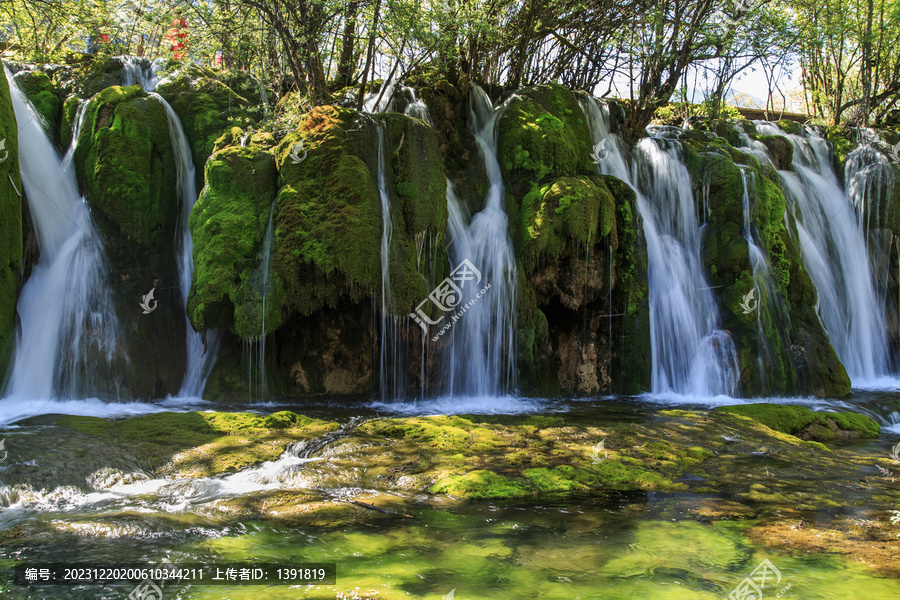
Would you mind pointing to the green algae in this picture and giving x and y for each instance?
(203, 443)
(796, 419)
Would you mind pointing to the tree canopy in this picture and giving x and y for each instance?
(846, 52)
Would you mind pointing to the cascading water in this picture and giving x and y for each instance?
(482, 353)
(139, 72)
(769, 304)
(392, 381)
(378, 102)
(69, 345)
(834, 252)
(258, 286)
(691, 355)
(201, 349)
(415, 106)
(869, 183)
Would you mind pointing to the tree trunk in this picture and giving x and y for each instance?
(369, 54)
(346, 62)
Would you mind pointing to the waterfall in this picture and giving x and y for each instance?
(482, 353)
(690, 354)
(833, 246)
(391, 363)
(201, 348)
(769, 303)
(69, 345)
(415, 106)
(136, 72)
(376, 102)
(259, 283)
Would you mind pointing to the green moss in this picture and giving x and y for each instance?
(791, 127)
(206, 106)
(480, 484)
(10, 226)
(228, 224)
(843, 142)
(39, 90)
(544, 134)
(67, 121)
(204, 443)
(449, 434)
(798, 419)
(569, 208)
(124, 161)
(329, 218)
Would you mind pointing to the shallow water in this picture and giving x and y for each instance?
(610, 545)
(615, 546)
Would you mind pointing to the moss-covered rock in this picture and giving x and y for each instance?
(10, 225)
(203, 444)
(544, 134)
(42, 94)
(206, 106)
(786, 331)
(67, 119)
(126, 167)
(228, 226)
(329, 221)
(568, 208)
(806, 424)
(125, 164)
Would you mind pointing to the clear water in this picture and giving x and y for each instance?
(606, 545)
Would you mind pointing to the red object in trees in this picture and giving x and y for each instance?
(177, 36)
